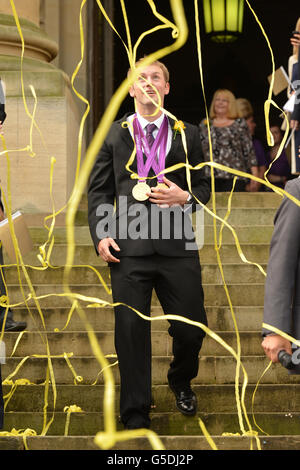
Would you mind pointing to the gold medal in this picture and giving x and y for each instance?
(162, 186)
(139, 191)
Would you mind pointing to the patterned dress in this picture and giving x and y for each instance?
(232, 146)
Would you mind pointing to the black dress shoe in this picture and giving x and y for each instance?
(186, 400)
(12, 325)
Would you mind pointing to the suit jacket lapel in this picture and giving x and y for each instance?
(176, 141)
(125, 133)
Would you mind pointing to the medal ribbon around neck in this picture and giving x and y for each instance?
(142, 146)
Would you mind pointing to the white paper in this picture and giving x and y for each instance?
(2, 352)
(289, 105)
(286, 77)
(14, 216)
(288, 140)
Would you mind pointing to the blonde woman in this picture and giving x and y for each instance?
(231, 142)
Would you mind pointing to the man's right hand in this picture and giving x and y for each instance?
(272, 344)
(104, 251)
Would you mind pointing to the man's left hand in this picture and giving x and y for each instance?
(168, 197)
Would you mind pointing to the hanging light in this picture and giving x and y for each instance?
(223, 19)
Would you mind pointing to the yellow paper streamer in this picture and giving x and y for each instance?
(69, 410)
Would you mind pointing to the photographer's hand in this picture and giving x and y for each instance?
(272, 344)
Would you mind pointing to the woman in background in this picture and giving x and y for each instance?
(231, 142)
(245, 110)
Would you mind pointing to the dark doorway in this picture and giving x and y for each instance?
(242, 66)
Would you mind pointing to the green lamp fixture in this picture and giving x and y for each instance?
(223, 19)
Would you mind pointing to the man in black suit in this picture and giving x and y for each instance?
(139, 254)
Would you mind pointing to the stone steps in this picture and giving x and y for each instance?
(211, 274)
(246, 215)
(212, 369)
(220, 319)
(189, 443)
(276, 405)
(52, 295)
(248, 233)
(281, 398)
(78, 342)
(89, 423)
(263, 231)
(85, 254)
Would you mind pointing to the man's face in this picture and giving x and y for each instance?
(151, 80)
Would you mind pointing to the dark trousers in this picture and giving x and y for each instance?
(177, 283)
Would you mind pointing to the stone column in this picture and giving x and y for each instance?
(57, 114)
(28, 9)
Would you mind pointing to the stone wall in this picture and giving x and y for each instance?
(57, 114)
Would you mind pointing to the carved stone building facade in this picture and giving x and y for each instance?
(52, 51)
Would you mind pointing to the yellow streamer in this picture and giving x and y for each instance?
(69, 410)
(207, 435)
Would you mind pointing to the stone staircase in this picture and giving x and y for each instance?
(277, 398)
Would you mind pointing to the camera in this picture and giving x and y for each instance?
(295, 34)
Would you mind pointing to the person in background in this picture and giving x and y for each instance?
(245, 110)
(295, 41)
(231, 142)
(10, 323)
(282, 287)
(280, 171)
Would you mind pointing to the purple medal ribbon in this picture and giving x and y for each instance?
(142, 144)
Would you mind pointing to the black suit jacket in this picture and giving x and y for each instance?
(109, 180)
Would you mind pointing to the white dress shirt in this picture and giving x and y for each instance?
(158, 122)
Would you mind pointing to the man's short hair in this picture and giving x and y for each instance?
(159, 64)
